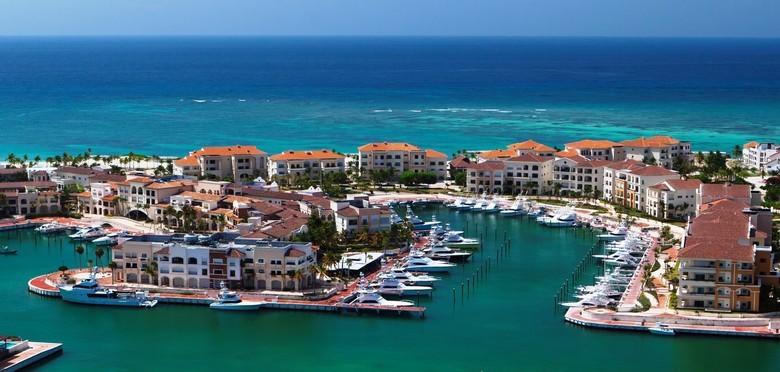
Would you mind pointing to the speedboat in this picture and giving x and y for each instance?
(408, 278)
(516, 209)
(420, 262)
(565, 217)
(5, 250)
(447, 253)
(618, 233)
(229, 300)
(454, 240)
(661, 329)
(110, 239)
(90, 292)
(394, 287)
(491, 207)
(369, 297)
(51, 228)
(88, 233)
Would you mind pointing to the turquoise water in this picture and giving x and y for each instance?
(506, 323)
(168, 96)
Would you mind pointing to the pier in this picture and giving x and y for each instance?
(33, 352)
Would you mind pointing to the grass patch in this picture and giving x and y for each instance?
(656, 266)
(644, 303)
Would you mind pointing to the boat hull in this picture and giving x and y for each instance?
(242, 306)
(429, 269)
(68, 296)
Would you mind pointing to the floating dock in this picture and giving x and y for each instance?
(34, 353)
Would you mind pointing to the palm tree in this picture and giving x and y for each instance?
(152, 271)
(80, 251)
(298, 275)
(112, 265)
(99, 254)
(62, 268)
(314, 269)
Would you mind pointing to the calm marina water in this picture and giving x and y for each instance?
(506, 323)
(167, 96)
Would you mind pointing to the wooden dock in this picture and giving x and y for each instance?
(36, 352)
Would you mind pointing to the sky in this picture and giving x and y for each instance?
(654, 18)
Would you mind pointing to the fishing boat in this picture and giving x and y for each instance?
(447, 253)
(110, 239)
(88, 233)
(661, 329)
(230, 300)
(565, 217)
(394, 287)
(90, 292)
(406, 277)
(516, 209)
(491, 207)
(368, 297)
(454, 240)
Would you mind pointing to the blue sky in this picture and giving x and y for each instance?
(696, 18)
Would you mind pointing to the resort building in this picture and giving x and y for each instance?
(14, 175)
(725, 258)
(65, 176)
(756, 155)
(310, 163)
(486, 177)
(661, 149)
(101, 199)
(527, 174)
(626, 183)
(575, 173)
(741, 193)
(401, 157)
(598, 149)
(238, 162)
(184, 262)
(29, 197)
(459, 164)
(673, 198)
(354, 215)
(496, 155)
(531, 147)
(137, 195)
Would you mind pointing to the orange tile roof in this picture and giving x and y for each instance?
(201, 196)
(656, 141)
(84, 194)
(187, 160)
(531, 158)
(567, 153)
(687, 184)
(530, 145)
(388, 146)
(228, 151)
(306, 155)
(750, 144)
(166, 185)
(494, 154)
(715, 249)
(592, 144)
(434, 154)
(140, 180)
(653, 171)
(726, 190)
(460, 162)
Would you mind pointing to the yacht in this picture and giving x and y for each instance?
(661, 329)
(491, 207)
(447, 253)
(420, 262)
(516, 209)
(89, 291)
(454, 240)
(229, 300)
(87, 233)
(594, 300)
(394, 287)
(369, 297)
(456, 204)
(618, 233)
(479, 206)
(417, 223)
(51, 228)
(408, 278)
(565, 217)
(110, 239)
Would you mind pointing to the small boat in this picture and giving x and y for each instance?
(619, 233)
(454, 240)
(87, 233)
(229, 300)
(661, 329)
(516, 209)
(110, 239)
(90, 292)
(418, 224)
(566, 217)
(394, 287)
(479, 206)
(51, 228)
(5, 250)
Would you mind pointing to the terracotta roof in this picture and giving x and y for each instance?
(107, 177)
(656, 141)
(166, 185)
(460, 162)
(577, 159)
(223, 211)
(388, 146)
(39, 184)
(567, 153)
(77, 170)
(84, 194)
(488, 165)
(594, 163)
(653, 171)
(266, 208)
(687, 184)
(726, 190)
(434, 154)
(306, 155)
(320, 202)
(348, 212)
(292, 252)
(15, 170)
(201, 196)
(289, 213)
(187, 160)
(140, 180)
(716, 250)
(165, 251)
(751, 144)
(592, 144)
(626, 165)
(235, 253)
(228, 151)
(530, 145)
(495, 154)
(110, 198)
(240, 199)
(531, 158)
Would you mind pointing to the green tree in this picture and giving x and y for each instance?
(112, 265)
(151, 269)
(62, 268)
(99, 255)
(80, 251)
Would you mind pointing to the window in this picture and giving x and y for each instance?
(204, 272)
(217, 261)
(232, 272)
(261, 271)
(217, 272)
(260, 260)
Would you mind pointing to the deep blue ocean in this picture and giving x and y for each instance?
(167, 96)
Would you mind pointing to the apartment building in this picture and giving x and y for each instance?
(662, 149)
(712, 192)
(527, 173)
(673, 198)
(101, 199)
(486, 177)
(531, 147)
(575, 173)
(726, 257)
(598, 149)
(140, 194)
(312, 163)
(29, 197)
(354, 215)
(756, 155)
(240, 162)
(401, 157)
(626, 183)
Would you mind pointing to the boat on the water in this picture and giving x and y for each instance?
(447, 253)
(230, 300)
(51, 228)
(661, 329)
(565, 217)
(110, 239)
(406, 277)
(516, 209)
(394, 287)
(88, 233)
(5, 250)
(419, 262)
(90, 292)
(369, 297)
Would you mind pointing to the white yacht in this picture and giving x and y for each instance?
(516, 209)
(447, 253)
(565, 217)
(491, 207)
(229, 300)
(618, 233)
(590, 301)
(110, 239)
(394, 287)
(479, 206)
(661, 329)
(417, 223)
(51, 228)
(420, 262)
(454, 240)
(370, 297)
(89, 291)
(408, 278)
(456, 204)
(87, 233)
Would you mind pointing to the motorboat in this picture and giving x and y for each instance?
(456, 204)
(406, 277)
(618, 233)
(394, 287)
(51, 228)
(420, 262)
(661, 329)
(5, 250)
(230, 300)
(565, 217)
(87, 233)
(447, 253)
(417, 223)
(439, 231)
(454, 240)
(89, 291)
(516, 209)
(538, 212)
(395, 219)
(479, 206)
(491, 207)
(368, 297)
(110, 239)
(594, 300)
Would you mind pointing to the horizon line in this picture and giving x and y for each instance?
(385, 36)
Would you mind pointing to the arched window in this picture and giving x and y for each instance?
(132, 191)
(192, 261)
(177, 260)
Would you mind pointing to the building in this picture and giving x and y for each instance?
(661, 149)
(246, 263)
(239, 162)
(673, 198)
(101, 199)
(531, 147)
(64, 176)
(29, 197)
(709, 192)
(14, 175)
(575, 173)
(310, 163)
(626, 182)
(598, 149)
(486, 177)
(137, 196)
(725, 258)
(526, 174)
(354, 215)
(496, 155)
(756, 155)
(401, 157)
